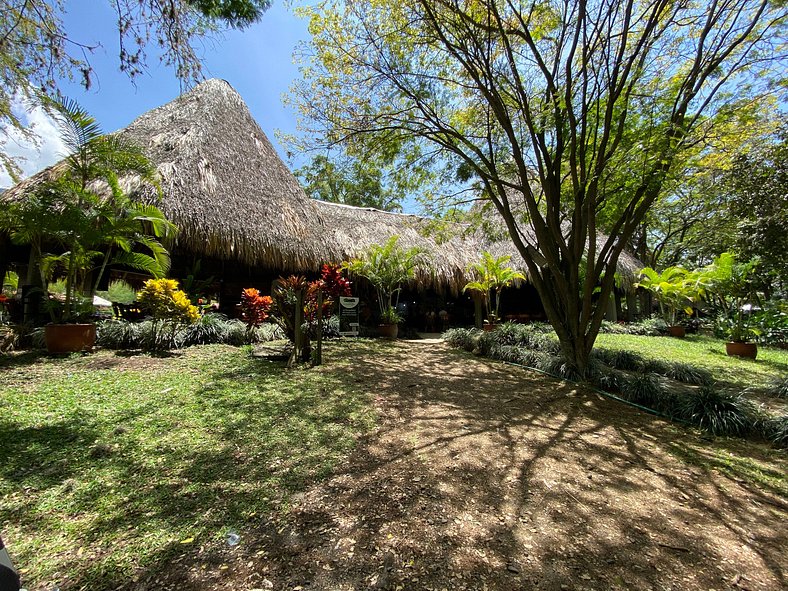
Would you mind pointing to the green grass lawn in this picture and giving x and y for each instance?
(116, 462)
(709, 353)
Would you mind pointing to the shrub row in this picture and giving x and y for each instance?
(209, 329)
(634, 378)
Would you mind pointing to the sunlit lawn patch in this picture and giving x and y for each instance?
(111, 463)
(708, 353)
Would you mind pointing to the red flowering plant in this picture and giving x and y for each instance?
(333, 283)
(255, 308)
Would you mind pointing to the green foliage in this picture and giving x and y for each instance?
(643, 388)
(87, 227)
(757, 184)
(771, 323)
(462, 338)
(387, 266)
(730, 288)
(210, 329)
(10, 283)
(390, 316)
(775, 429)
(493, 275)
(675, 289)
(119, 292)
(779, 388)
(647, 327)
(619, 359)
(688, 373)
(350, 181)
(718, 412)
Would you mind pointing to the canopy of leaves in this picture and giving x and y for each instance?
(350, 182)
(539, 104)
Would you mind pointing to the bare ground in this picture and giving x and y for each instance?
(485, 476)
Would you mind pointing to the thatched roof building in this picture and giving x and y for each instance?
(233, 199)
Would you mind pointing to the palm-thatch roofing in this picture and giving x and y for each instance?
(232, 198)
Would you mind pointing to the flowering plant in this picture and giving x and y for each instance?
(255, 308)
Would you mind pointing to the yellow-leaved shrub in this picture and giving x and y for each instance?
(165, 301)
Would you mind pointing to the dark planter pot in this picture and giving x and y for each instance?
(388, 331)
(677, 331)
(489, 327)
(69, 338)
(749, 350)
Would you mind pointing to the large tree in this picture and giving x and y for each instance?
(349, 181)
(36, 50)
(540, 101)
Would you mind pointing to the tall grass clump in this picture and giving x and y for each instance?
(778, 388)
(689, 374)
(644, 389)
(208, 330)
(775, 429)
(619, 359)
(462, 338)
(719, 413)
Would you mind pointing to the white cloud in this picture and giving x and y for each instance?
(32, 154)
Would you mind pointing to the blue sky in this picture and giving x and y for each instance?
(257, 62)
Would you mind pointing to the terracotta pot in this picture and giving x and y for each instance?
(677, 331)
(388, 331)
(69, 338)
(489, 327)
(749, 350)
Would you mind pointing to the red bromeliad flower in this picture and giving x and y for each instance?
(254, 307)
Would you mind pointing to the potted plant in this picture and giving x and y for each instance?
(730, 288)
(493, 276)
(387, 267)
(675, 289)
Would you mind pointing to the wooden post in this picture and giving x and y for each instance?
(319, 350)
(299, 320)
(477, 309)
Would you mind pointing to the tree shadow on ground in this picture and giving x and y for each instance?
(485, 476)
(251, 441)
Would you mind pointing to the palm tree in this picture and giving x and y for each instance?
(493, 276)
(387, 266)
(86, 212)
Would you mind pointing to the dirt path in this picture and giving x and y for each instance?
(484, 476)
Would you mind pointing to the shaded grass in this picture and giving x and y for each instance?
(705, 353)
(112, 464)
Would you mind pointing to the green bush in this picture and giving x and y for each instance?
(644, 389)
(719, 413)
(618, 359)
(778, 388)
(209, 329)
(689, 374)
(649, 327)
(462, 338)
(775, 429)
(119, 292)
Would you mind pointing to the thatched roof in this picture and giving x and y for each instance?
(223, 183)
(352, 230)
(232, 198)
